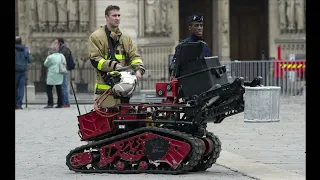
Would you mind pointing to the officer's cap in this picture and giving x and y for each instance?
(195, 17)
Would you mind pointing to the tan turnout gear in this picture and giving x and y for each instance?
(125, 52)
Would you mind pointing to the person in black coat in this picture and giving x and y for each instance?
(196, 34)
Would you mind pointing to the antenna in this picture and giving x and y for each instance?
(75, 98)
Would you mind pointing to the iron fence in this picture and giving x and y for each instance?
(155, 60)
(289, 75)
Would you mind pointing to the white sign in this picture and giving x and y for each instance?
(292, 74)
(292, 57)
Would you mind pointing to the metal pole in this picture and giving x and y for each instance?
(26, 92)
(75, 98)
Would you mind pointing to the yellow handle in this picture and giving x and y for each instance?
(114, 73)
(150, 124)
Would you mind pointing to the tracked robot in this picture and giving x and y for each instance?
(169, 137)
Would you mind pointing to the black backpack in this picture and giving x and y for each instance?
(70, 61)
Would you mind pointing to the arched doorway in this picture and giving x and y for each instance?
(249, 29)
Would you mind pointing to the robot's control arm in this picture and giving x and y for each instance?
(221, 101)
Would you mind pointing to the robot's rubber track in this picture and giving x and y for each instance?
(209, 160)
(192, 159)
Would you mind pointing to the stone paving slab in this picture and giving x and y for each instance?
(45, 136)
(254, 169)
(280, 144)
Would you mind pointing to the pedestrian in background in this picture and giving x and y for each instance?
(62, 48)
(22, 58)
(54, 77)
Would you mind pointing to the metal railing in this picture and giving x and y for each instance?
(289, 75)
(155, 60)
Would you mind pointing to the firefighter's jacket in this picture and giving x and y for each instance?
(126, 54)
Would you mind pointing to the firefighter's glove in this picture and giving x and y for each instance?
(138, 74)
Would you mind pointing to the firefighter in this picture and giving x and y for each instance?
(196, 34)
(109, 49)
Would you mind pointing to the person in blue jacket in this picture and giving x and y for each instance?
(196, 34)
(23, 59)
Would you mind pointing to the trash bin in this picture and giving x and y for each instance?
(262, 104)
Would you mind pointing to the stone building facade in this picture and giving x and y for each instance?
(40, 21)
(155, 23)
(235, 30)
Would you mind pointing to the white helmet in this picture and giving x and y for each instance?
(126, 86)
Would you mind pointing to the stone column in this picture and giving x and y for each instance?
(141, 18)
(274, 27)
(224, 29)
(174, 16)
(215, 31)
(93, 17)
(22, 21)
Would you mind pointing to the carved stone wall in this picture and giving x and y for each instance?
(287, 27)
(40, 21)
(157, 18)
(58, 15)
(291, 16)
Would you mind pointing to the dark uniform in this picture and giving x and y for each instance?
(206, 52)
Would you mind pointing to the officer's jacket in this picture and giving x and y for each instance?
(206, 52)
(126, 54)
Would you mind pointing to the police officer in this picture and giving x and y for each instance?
(196, 34)
(109, 49)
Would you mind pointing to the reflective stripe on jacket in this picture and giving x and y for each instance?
(125, 54)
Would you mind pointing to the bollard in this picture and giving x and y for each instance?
(262, 104)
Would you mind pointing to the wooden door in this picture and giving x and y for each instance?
(248, 30)
(187, 8)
